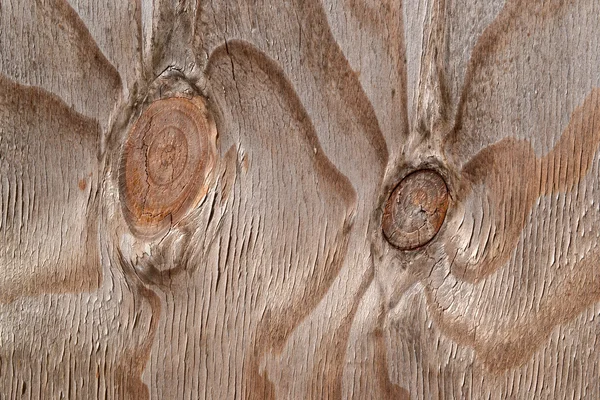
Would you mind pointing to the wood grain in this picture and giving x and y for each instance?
(46, 44)
(279, 279)
(48, 195)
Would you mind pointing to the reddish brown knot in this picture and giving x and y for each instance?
(168, 154)
(416, 209)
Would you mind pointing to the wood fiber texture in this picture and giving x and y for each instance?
(273, 278)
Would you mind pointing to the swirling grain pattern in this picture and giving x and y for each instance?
(217, 200)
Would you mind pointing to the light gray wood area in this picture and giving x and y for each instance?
(276, 281)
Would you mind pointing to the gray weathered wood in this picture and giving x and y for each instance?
(278, 281)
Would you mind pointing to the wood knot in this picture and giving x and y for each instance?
(415, 210)
(166, 159)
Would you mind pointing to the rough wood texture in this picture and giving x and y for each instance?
(273, 278)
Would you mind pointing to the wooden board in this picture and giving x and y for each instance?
(275, 279)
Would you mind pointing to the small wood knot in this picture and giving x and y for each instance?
(168, 154)
(416, 209)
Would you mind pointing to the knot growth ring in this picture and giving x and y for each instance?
(415, 210)
(168, 154)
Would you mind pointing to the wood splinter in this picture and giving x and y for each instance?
(415, 210)
(166, 159)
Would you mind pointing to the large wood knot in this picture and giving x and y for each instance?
(168, 154)
(415, 210)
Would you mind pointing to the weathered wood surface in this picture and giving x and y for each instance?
(278, 281)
